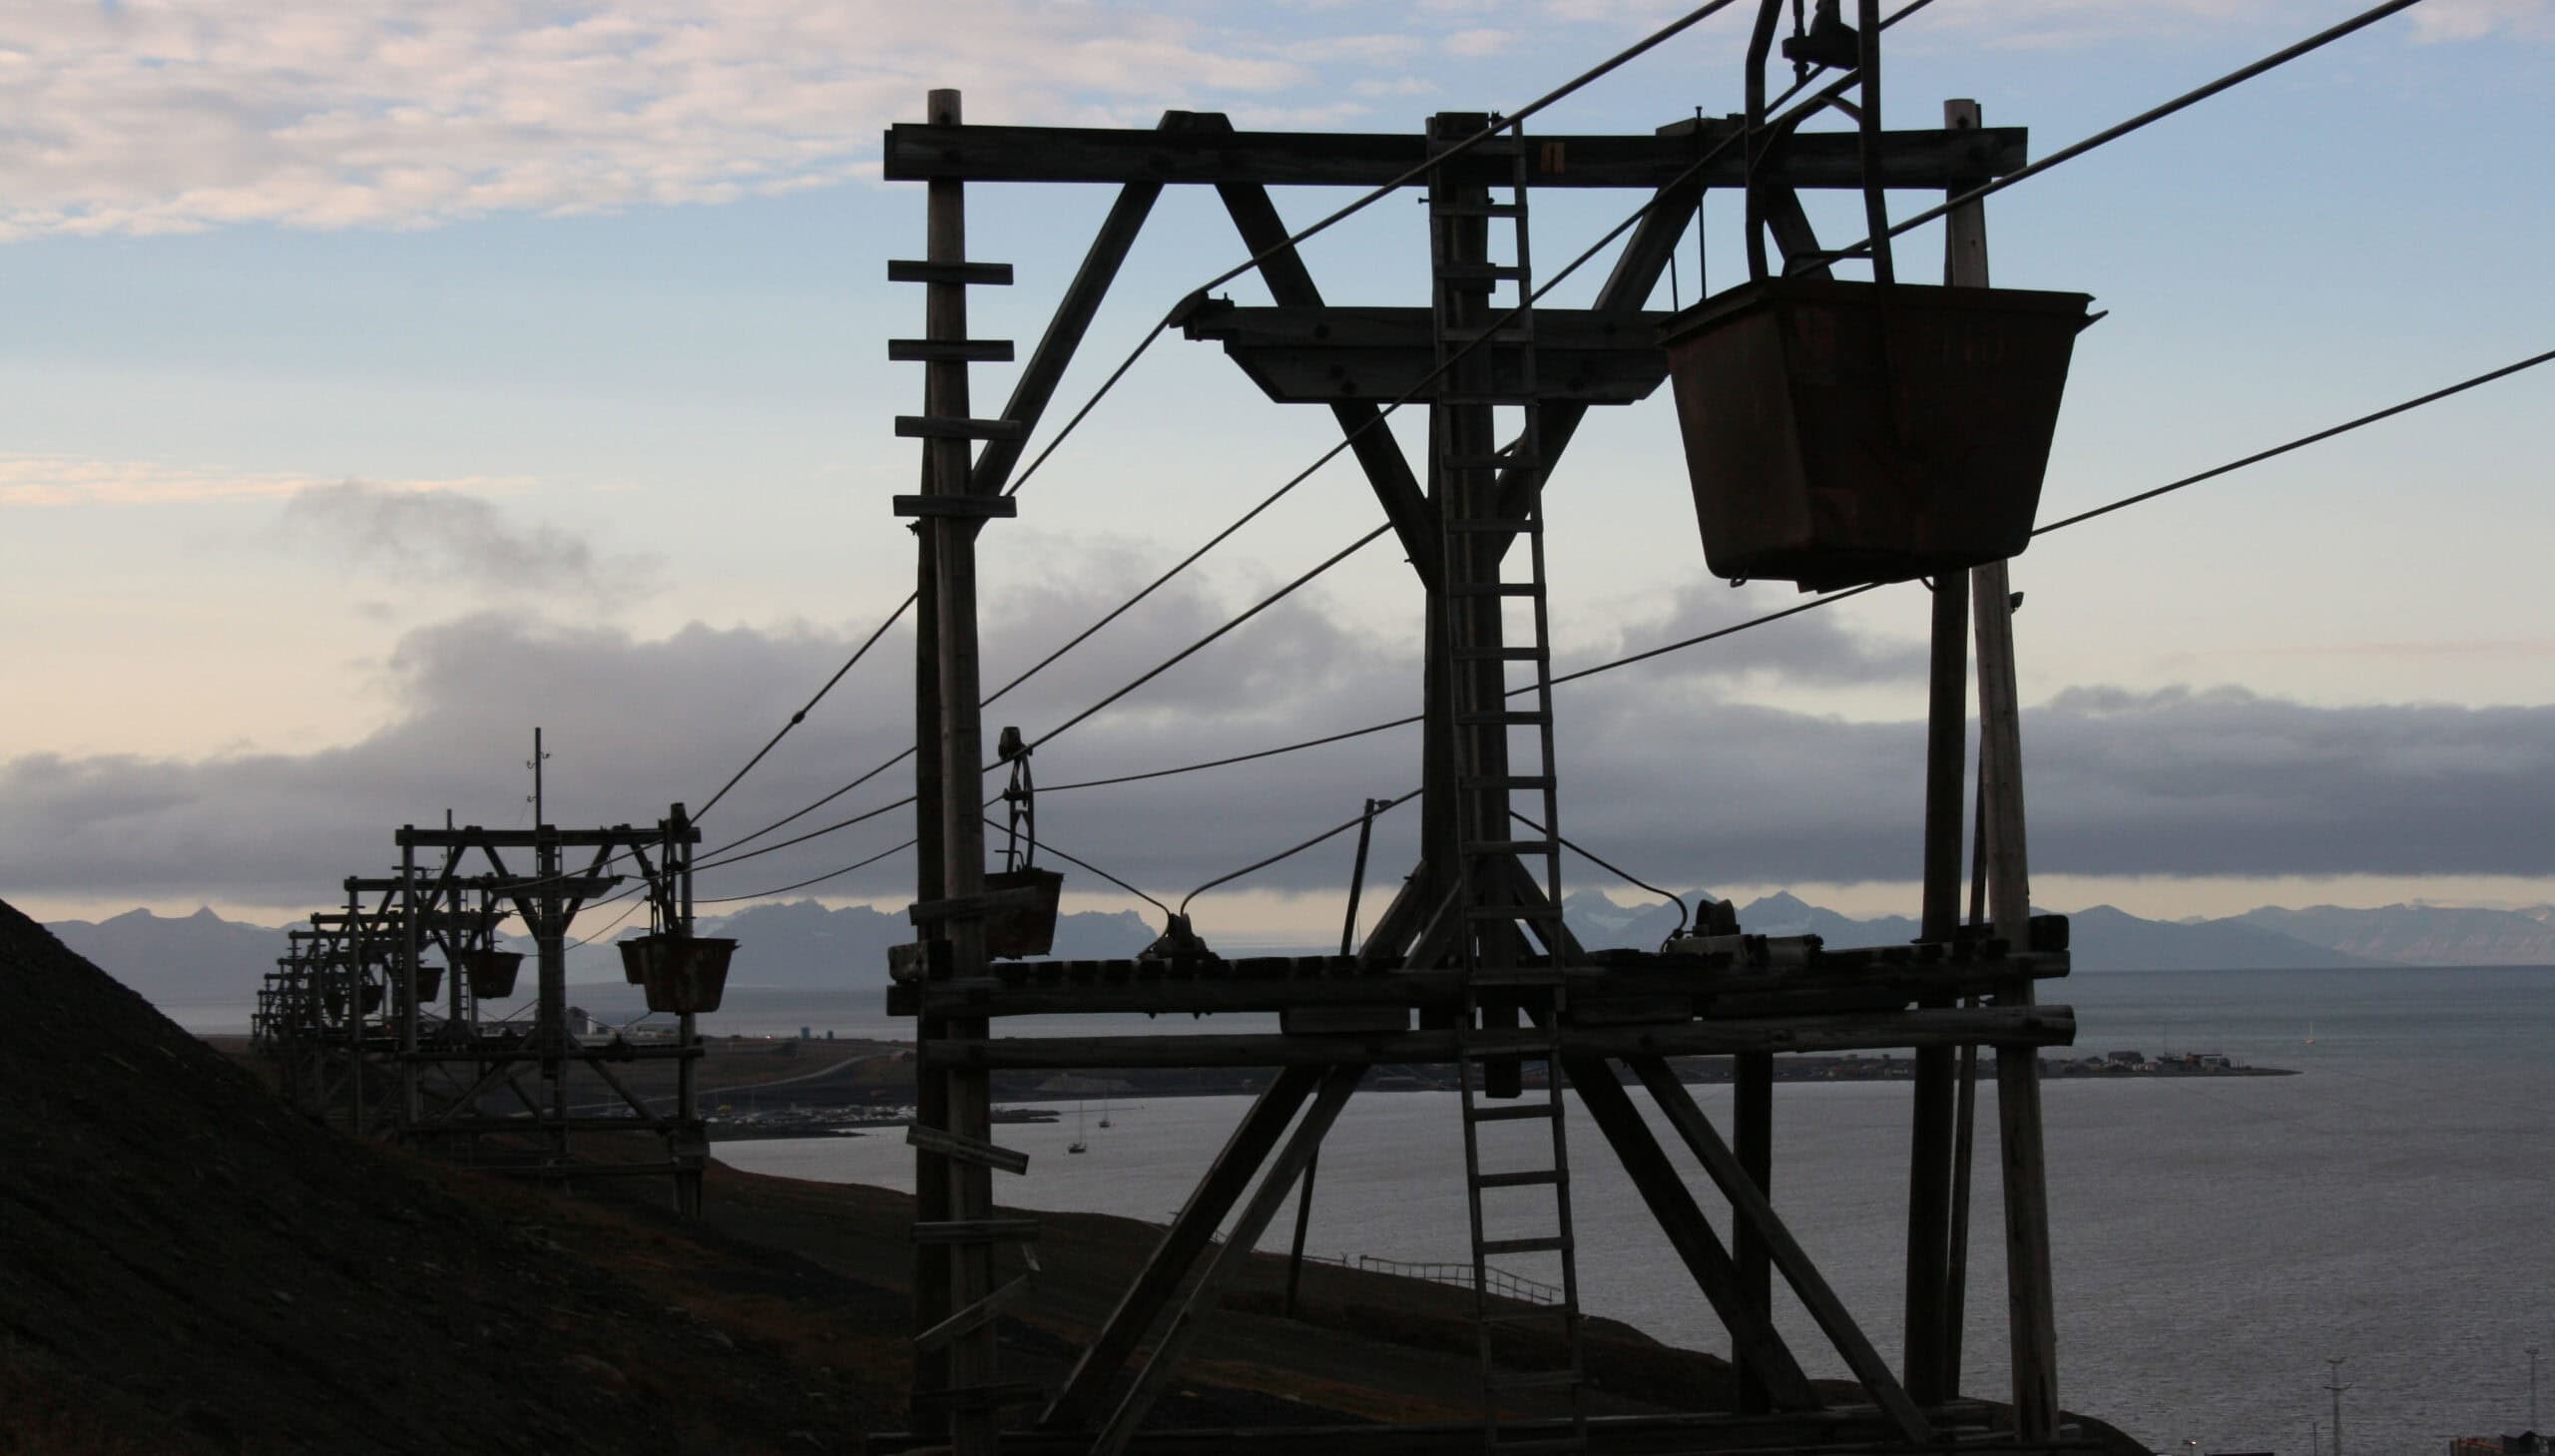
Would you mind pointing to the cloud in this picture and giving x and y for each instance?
(442, 535)
(1661, 770)
(2466, 20)
(1476, 43)
(160, 116)
(65, 480)
(1814, 648)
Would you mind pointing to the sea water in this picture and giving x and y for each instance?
(2214, 1239)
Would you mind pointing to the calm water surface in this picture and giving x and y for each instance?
(2215, 1239)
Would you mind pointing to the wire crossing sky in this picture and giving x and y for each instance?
(374, 407)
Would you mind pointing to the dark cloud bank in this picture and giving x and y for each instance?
(1663, 771)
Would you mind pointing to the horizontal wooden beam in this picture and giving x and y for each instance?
(1324, 356)
(1593, 990)
(1931, 160)
(472, 836)
(2019, 1026)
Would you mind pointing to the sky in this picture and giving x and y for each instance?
(379, 382)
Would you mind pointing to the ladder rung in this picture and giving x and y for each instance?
(1499, 655)
(922, 270)
(1481, 271)
(1539, 1444)
(1527, 1179)
(1528, 976)
(1534, 1315)
(1504, 781)
(1511, 1112)
(1527, 527)
(976, 1230)
(950, 350)
(952, 427)
(1478, 209)
(1508, 846)
(1541, 1244)
(1498, 460)
(1519, 718)
(1496, 589)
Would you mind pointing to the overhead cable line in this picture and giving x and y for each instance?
(1627, 877)
(803, 838)
(1350, 438)
(800, 716)
(1831, 599)
(1332, 832)
(2189, 98)
(1289, 243)
(1048, 847)
(2067, 153)
(814, 880)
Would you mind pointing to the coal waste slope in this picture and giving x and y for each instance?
(188, 1264)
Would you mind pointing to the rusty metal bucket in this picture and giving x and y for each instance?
(429, 982)
(681, 973)
(491, 973)
(1025, 930)
(1839, 433)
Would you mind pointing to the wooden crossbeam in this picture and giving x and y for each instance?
(1379, 454)
(1754, 1340)
(1748, 1204)
(1036, 388)
(1929, 160)
(974, 1316)
(1191, 1232)
(965, 1148)
(1284, 1169)
(2021, 1027)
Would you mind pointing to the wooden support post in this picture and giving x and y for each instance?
(1753, 1119)
(694, 1148)
(1747, 1206)
(2031, 1311)
(412, 949)
(1337, 1084)
(951, 540)
(1752, 1336)
(1931, 1139)
(1191, 1232)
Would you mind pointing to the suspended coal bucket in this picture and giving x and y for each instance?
(491, 972)
(1839, 433)
(1023, 930)
(429, 982)
(681, 973)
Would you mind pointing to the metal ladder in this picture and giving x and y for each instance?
(1488, 498)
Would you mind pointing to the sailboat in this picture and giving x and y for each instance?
(1078, 1145)
(2310, 1031)
(1104, 1112)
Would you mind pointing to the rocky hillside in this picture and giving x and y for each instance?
(189, 1266)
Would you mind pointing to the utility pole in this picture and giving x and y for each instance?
(2333, 1382)
(534, 764)
(2532, 1393)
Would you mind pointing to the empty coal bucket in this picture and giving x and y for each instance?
(1023, 930)
(429, 983)
(491, 973)
(1839, 433)
(681, 973)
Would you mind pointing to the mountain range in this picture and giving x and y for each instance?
(205, 960)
